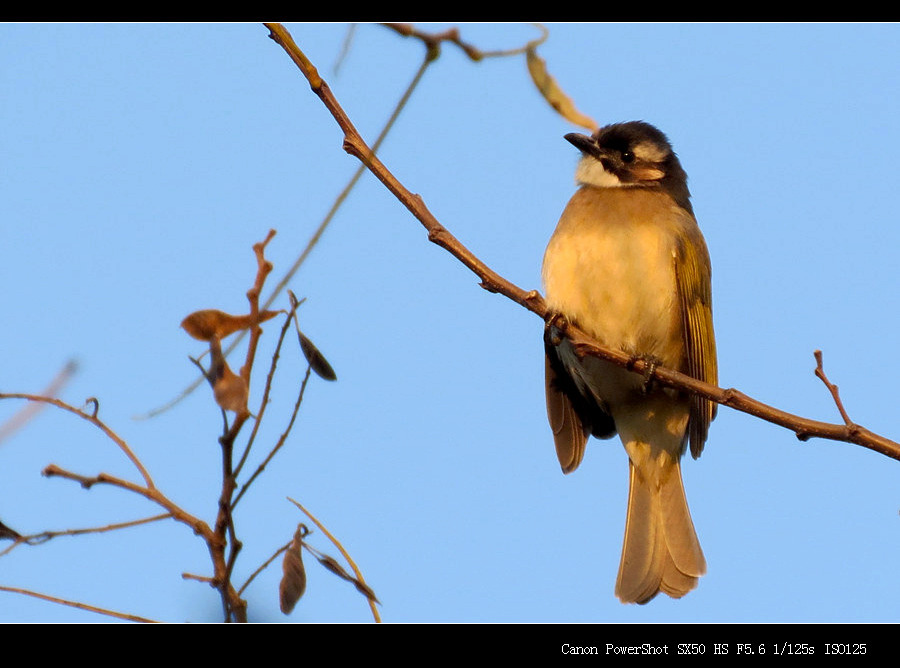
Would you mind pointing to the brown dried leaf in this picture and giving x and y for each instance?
(293, 580)
(212, 323)
(268, 315)
(229, 389)
(7, 532)
(316, 359)
(551, 91)
(231, 392)
(366, 591)
(332, 565)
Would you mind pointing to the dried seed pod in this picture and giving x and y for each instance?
(229, 389)
(316, 359)
(293, 579)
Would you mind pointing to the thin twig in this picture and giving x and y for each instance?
(345, 48)
(264, 566)
(94, 420)
(279, 443)
(80, 606)
(27, 412)
(832, 388)
(433, 40)
(266, 391)
(44, 536)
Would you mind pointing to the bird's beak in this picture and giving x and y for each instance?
(583, 143)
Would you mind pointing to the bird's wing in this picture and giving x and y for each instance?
(573, 415)
(692, 270)
(569, 433)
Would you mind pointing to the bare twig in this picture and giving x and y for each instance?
(80, 606)
(44, 536)
(263, 269)
(279, 443)
(532, 300)
(345, 48)
(820, 373)
(433, 41)
(263, 566)
(150, 493)
(19, 419)
(266, 391)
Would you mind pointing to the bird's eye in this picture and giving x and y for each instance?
(627, 156)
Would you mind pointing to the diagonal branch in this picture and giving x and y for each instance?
(356, 146)
(75, 604)
(94, 420)
(353, 143)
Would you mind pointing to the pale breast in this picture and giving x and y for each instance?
(609, 266)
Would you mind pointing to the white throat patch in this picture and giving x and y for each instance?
(590, 172)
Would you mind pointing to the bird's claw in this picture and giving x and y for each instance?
(650, 365)
(555, 328)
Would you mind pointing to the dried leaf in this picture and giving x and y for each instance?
(212, 323)
(551, 91)
(365, 590)
(7, 532)
(316, 359)
(332, 565)
(268, 315)
(229, 389)
(231, 392)
(293, 580)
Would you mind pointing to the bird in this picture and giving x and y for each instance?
(628, 265)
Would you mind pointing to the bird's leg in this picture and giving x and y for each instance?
(651, 362)
(555, 328)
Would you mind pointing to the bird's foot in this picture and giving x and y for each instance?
(554, 331)
(651, 362)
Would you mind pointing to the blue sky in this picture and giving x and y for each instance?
(140, 162)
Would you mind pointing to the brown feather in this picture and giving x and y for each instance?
(569, 434)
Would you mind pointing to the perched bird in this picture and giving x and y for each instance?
(628, 265)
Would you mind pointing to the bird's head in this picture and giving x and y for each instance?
(632, 154)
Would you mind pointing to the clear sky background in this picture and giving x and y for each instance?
(140, 162)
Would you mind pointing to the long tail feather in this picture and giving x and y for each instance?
(660, 551)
